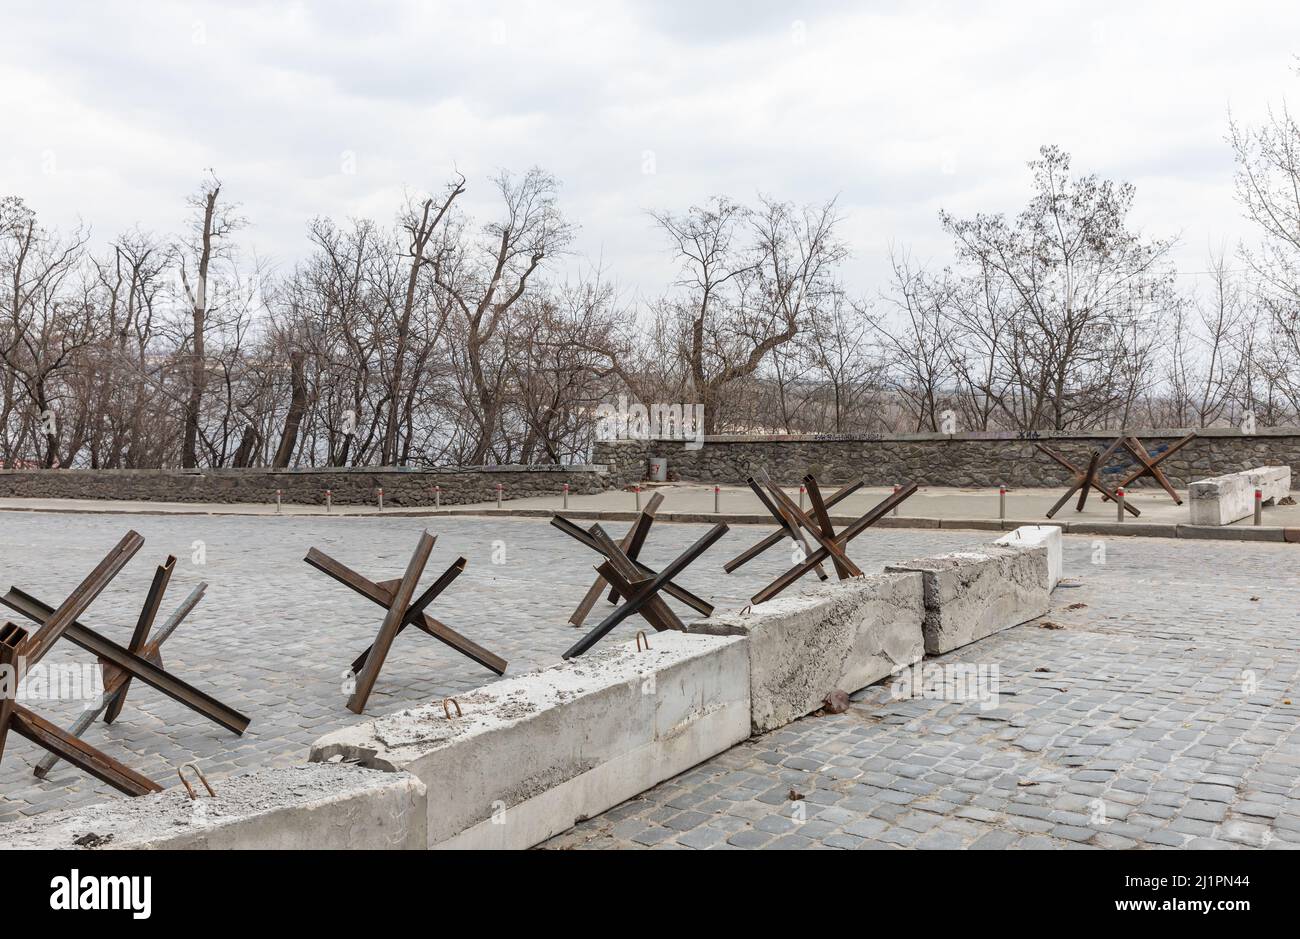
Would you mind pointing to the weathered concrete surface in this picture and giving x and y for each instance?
(1140, 723)
(973, 594)
(1030, 536)
(533, 755)
(318, 806)
(838, 637)
(1222, 500)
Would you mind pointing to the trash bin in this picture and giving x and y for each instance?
(658, 469)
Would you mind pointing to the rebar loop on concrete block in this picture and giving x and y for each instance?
(180, 771)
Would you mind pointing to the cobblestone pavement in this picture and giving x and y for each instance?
(272, 636)
(1159, 709)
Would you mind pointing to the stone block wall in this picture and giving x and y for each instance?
(401, 487)
(983, 460)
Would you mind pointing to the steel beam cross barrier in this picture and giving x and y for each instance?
(830, 546)
(404, 608)
(782, 533)
(1085, 480)
(638, 585)
(117, 681)
(120, 664)
(626, 554)
(1149, 463)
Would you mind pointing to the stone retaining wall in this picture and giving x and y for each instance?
(985, 460)
(305, 486)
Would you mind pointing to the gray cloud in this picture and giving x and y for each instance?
(897, 108)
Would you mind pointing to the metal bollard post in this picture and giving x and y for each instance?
(329, 500)
(717, 500)
(437, 497)
(895, 493)
(1119, 504)
(802, 493)
(498, 495)
(1002, 501)
(637, 494)
(277, 502)
(1259, 507)
(381, 498)
(566, 495)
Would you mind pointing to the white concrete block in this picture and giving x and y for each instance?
(973, 594)
(842, 636)
(534, 754)
(317, 806)
(1222, 500)
(1031, 536)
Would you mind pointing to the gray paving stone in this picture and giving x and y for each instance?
(1140, 706)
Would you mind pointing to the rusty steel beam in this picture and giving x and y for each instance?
(135, 665)
(655, 610)
(383, 596)
(822, 533)
(644, 590)
(675, 591)
(1086, 479)
(152, 601)
(1150, 465)
(115, 689)
(12, 637)
(843, 538)
(636, 535)
(776, 537)
(80, 754)
(365, 681)
(788, 521)
(41, 641)
(417, 608)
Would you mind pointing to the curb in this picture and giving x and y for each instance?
(1265, 533)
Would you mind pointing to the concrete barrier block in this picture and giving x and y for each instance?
(973, 594)
(317, 806)
(1222, 500)
(1031, 536)
(534, 754)
(842, 636)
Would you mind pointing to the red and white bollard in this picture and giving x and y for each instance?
(1002, 502)
(636, 491)
(329, 500)
(566, 495)
(717, 500)
(498, 495)
(1259, 507)
(381, 498)
(803, 491)
(1119, 503)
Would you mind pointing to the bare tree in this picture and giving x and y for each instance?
(751, 281)
(486, 277)
(1076, 288)
(211, 225)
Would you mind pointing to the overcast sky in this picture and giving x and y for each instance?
(111, 111)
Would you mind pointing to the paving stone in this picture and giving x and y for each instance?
(1141, 709)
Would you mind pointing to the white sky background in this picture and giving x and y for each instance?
(111, 111)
